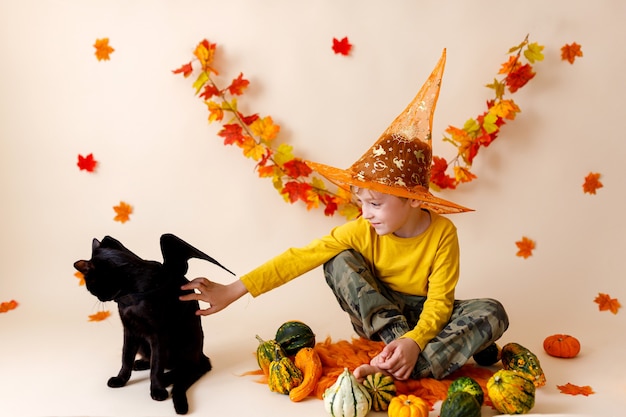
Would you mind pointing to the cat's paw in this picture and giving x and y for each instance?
(159, 394)
(116, 382)
(141, 365)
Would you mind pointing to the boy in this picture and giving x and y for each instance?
(394, 269)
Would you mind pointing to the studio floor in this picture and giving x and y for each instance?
(58, 365)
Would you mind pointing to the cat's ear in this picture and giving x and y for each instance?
(83, 266)
(95, 244)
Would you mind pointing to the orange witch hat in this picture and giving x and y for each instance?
(399, 162)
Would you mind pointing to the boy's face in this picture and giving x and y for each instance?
(387, 213)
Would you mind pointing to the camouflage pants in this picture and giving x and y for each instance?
(377, 313)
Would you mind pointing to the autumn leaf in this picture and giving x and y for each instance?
(572, 389)
(209, 91)
(81, 277)
(296, 168)
(239, 84)
(570, 52)
(265, 128)
(592, 183)
(605, 302)
(186, 70)
(205, 52)
(103, 50)
(252, 149)
(87, 163)
(216, 112)
(123, 212)
(6, 306)
(506, 109)
(462, 174)
(100, 315)
(232, 134)
(533, 52)
(438, 176)
(342, 47)
(294, 191)
(519, 77)
(525, 247)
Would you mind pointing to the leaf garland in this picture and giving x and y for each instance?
(255, 135)
(484, 129)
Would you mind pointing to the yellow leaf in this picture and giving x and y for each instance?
(265, 128)
(471, 126)
(318, 183)
(507, 109)
(251, 149)
(462, 174)
(215, 111)
(498, 87)
(203, 77)
(312, 200)
(283, 154)
(533, 52)
(489, 123)
(349, 211)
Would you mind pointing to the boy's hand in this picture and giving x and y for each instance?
(218, 296)
(398, 358)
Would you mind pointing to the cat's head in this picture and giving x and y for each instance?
(108, 274)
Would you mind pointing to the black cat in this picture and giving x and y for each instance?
(160, 331)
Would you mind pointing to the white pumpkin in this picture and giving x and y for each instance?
(347, 397)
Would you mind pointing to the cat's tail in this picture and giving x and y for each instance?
(185, 378)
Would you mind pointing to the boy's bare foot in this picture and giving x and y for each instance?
(361, 372)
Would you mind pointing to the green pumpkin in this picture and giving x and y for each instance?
(469, 385)
(381, 388)
(293, 336)
(284, 376)
(511, 392)
(517, 358)
(460, 404)
(266, 352)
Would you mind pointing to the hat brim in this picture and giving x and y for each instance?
(345, 179)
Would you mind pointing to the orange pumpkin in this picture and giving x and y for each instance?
(561, 346)
(407, 406)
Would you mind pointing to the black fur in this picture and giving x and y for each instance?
(160, 331)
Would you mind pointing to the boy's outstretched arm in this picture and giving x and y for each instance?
(219, 296)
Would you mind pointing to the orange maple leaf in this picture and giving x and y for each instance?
(81, 277)
(605, 302)
(8, 305)
(205, 52)
(570, 52)
(103, 50)
(592, 183)
(100, 315)
(572, 389)
(525, 247)
(123, 211)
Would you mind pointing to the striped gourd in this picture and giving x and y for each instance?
(283, 376)
(347, 397)
(381, 388)
(511, 392)
(294, 335)
(469, 385)
(517, 358)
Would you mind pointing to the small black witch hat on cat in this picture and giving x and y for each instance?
(161, 333)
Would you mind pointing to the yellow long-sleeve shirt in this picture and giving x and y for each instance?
(425, 265)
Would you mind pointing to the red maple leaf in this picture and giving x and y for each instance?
(209, 91)
(296, 191)
(87, 163)
(342, 47)
(238, 85)
(330, 203)
(438, 174)
(519, 77)
(232, 134)
(186, 70)
(296, 168)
